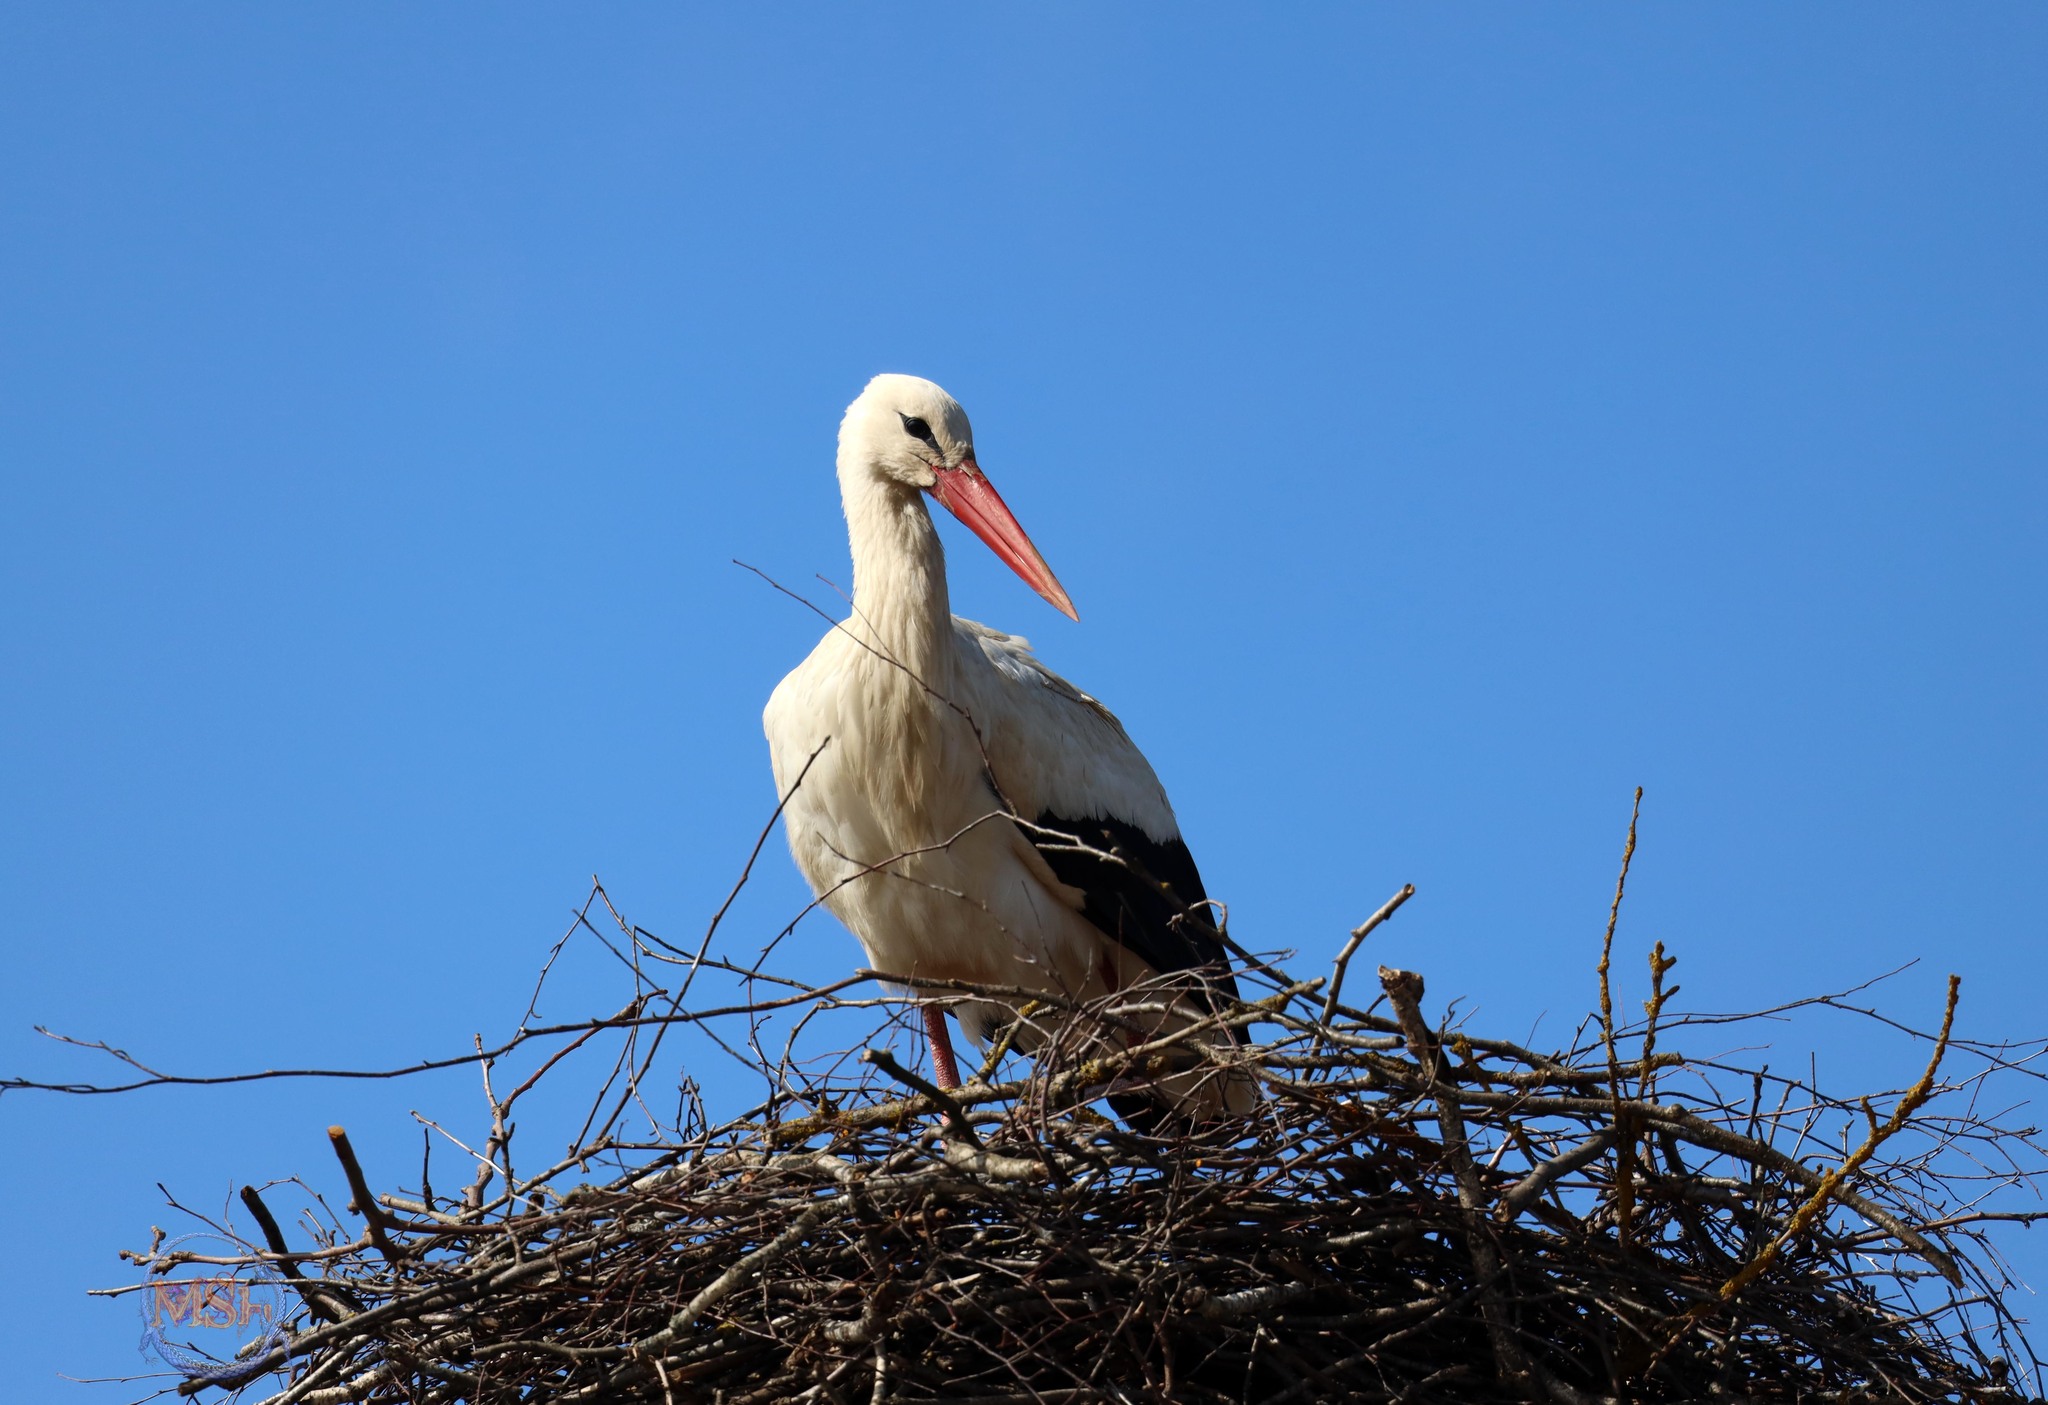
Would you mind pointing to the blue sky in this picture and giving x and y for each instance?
(1446, 419)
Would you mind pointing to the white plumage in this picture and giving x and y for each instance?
(897, 826)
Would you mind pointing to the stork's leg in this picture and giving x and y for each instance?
(943, 1072)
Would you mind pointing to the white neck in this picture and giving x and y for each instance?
(899, 571)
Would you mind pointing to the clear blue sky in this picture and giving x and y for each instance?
(1446, 419)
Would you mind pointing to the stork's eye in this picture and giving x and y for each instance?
(916, 428)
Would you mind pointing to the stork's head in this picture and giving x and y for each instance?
(906, 430)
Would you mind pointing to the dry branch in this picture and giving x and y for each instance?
(1412, 1213)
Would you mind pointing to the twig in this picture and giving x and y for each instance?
(1624, 1162)
(1358, 935)
(1404, 989)
(329, 1304)
(939, 1097)
(1832, 1187)
(361, 1200)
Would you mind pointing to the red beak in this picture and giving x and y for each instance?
(968, 495)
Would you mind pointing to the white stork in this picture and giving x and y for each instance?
(902, 823)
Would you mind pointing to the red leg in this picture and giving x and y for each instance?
(943, 1072)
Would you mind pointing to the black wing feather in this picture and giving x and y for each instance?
(1139, 892)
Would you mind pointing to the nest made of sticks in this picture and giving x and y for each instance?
(1413, 1213)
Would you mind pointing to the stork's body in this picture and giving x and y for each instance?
(929, 732)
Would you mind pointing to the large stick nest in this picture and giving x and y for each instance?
(1412, 1213)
